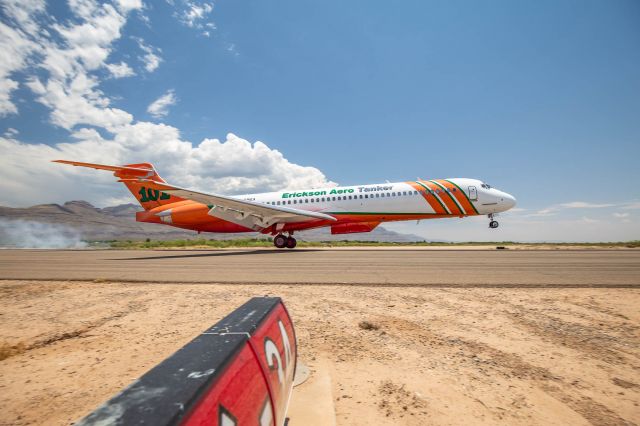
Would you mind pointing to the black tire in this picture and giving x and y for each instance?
(493, 224)
(280, 241)
(291, 243)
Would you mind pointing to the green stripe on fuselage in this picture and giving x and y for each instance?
(465, 195)
(434, 196)
(450, 196)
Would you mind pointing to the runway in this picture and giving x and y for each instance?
(353, 266)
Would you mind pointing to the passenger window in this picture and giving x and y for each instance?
(366, 195)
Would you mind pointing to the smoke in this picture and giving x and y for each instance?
(16, 233)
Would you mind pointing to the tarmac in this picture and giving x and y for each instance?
(354, 266)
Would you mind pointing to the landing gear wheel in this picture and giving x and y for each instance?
(291, 243)
(493, 224)
(280, 241)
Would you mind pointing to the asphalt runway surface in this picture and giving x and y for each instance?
(353, 266)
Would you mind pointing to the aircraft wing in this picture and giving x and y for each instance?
(256, 216)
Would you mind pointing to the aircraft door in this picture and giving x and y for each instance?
(473, 193)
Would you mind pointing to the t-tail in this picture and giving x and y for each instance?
(130, 175)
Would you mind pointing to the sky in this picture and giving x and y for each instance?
(539, 99)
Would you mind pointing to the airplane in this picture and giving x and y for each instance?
(345, 209)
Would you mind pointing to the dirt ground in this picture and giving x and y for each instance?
(424, 356)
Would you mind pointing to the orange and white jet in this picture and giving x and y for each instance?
(346, 209)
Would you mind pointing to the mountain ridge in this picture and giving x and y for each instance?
(118, 222)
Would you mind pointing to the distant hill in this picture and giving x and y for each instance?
(81, 220)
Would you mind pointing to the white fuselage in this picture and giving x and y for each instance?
(403, 198)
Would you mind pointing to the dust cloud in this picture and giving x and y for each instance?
(16, 233)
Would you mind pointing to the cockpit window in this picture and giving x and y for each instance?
(486, 186)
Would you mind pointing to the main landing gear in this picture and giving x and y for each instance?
(281, 241)
(494, 223)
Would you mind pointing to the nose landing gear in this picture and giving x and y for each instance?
(493, 224)
(281, 241)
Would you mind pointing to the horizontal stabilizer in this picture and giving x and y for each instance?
(124, 170)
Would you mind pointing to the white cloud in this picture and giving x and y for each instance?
(24, 13)
(635, 205)
(15, 48)
(553, 210)
(70, 89)
(128, 5)
(151, 61)
(77, 102)
(160, 107)
(195, 14)
(69, 86)
(87, 45)
(620, 215)
(519, 228)
(120, 70)
(11, 132)
(589, 220)
(584, 205)
(150, 58)
(231, 166)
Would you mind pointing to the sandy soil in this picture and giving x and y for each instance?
(428, 355)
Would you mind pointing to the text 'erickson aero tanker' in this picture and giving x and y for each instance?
(346, 210)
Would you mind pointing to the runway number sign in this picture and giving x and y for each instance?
(238, 372)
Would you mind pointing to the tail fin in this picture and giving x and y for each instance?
(130, 175)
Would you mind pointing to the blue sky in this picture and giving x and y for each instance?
(541, 99)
